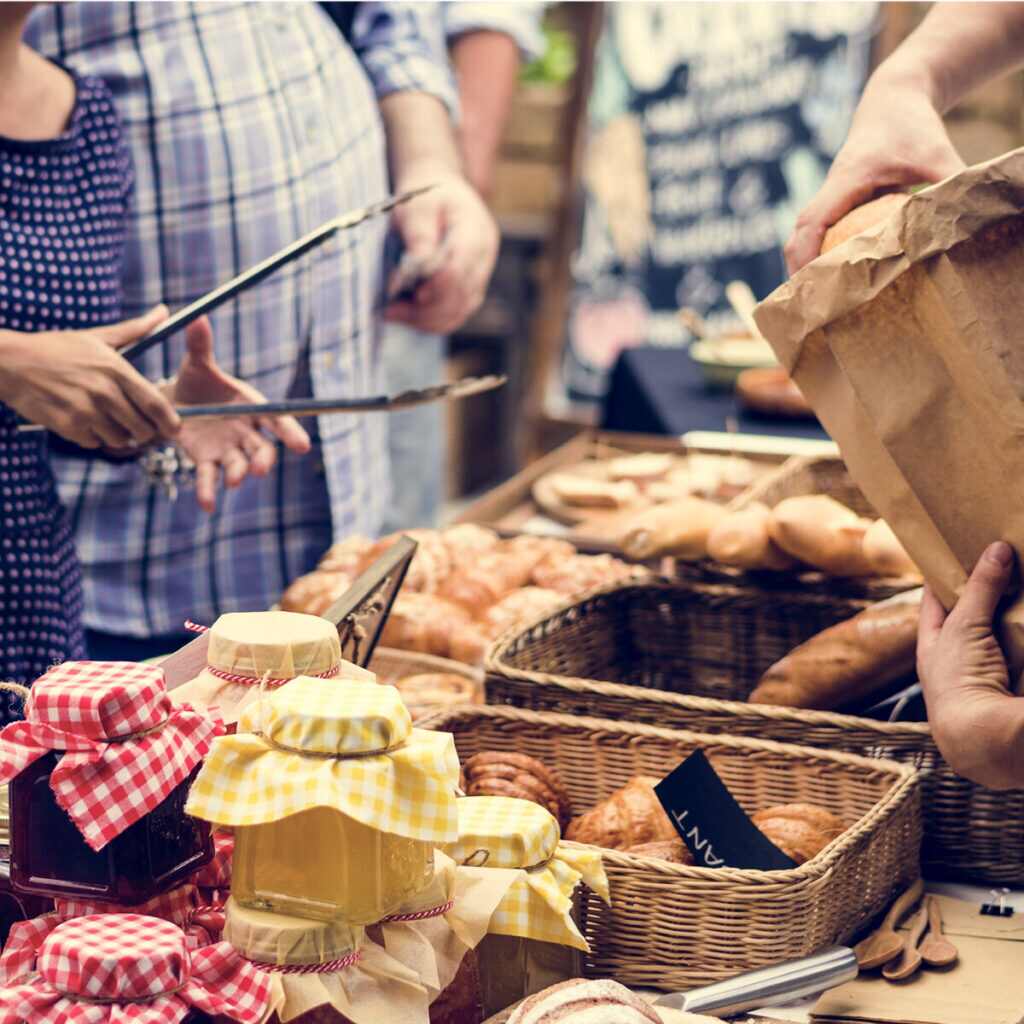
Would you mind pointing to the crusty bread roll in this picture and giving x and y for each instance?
(675, 851)
(586, 1001)
(315, 592)
(800, 831)
(578, 573)
(863, 217)
(888, 557)
(818, 530)
(846, 663)
(346, 555)
(591, 492)
(423, 622)
(743, 538)
(677, 528)
(630, 816)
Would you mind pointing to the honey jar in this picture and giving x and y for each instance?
(335, 800)
(253, 651)
(532, 940)
(99, 772)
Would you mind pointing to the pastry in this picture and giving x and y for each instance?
(885, 553)
(677, 528)
(497, 773)
(675, 851)
(315, 592)
(641, 469)
(630, 816)
(427, 691)
(430, 565)
(519, 607)
(466, 541)
(586, 1001)
(861, 218)
(846, 663)
(468, 643)
(487, 579)
(800, 831)
(742, 538)
(422, 622)
(579, 573)
(347, 556)
(818, 530)
(592, 492)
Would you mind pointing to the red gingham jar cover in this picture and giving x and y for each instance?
(125, 745)
(119, 968)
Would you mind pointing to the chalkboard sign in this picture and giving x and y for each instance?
(711, 125)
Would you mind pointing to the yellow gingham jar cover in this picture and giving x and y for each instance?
(538, 905)
(503, 832)
(313, 743)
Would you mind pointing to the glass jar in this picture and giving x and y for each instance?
(322, 864)
(512, 968)
(49, 856)
(15, 906)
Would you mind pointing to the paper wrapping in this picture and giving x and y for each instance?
(253, 646)
(351, 748)
(373, 988)
(433, 947)
(905, 340)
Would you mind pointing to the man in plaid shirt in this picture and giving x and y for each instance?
(251, 124)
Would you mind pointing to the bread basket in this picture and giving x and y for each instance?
(800, 475)
(673, 926)
(685, 654)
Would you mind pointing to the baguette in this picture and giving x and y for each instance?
(743, 539)
(848, 662)
(677, 528)
(886, 554)
(818, 530)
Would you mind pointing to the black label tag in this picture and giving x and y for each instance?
(714, 827)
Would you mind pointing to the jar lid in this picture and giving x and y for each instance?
(503, 832)
(321, 717)
(115, 956)
(281, 645)
(281, 940)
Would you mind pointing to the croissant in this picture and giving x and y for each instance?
(630, 816)
(499, 773)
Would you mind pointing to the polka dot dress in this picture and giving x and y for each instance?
(62, 210)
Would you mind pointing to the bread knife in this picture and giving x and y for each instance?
(782, 983)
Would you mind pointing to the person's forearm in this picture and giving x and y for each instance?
(955, 49)
(982, 738)
(420, 137)
(486, 70)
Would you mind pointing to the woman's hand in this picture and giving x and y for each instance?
(897, 139)
(450, 233)
(235, 447)
(75, 384)
(975, 720)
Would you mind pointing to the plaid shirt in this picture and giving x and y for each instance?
(249, 124)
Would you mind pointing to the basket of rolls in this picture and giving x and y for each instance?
(808, 524)
(791, 667)
(850, 824)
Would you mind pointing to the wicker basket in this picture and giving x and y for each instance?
(686, 655)
(802, 475)
(390, 665)
(672, 926)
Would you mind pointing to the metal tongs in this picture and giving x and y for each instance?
(299, 406)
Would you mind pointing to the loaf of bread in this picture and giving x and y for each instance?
(743, 539)
(630, 816)
(887, 556)
(315, 592)
(500, 773)
(675, 851)
(863, 217)
(800, 831)
(846, 663)
(587, 1001)
(818, 530)
(678, 528)
(423, 622)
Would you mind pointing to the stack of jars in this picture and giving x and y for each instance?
(337, 805)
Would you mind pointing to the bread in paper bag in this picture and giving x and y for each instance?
(906, 340)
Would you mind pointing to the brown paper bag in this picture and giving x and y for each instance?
(908, 340)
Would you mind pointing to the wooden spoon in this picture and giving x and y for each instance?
(910, 962)
(937, 950)
(884, 945)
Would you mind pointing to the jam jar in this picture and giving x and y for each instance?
(50, 857)
(103, 740)
(335, 800)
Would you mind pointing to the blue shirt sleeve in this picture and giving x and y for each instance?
(402, 48)
(521, 21)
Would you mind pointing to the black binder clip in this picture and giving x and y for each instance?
(998, 908)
